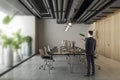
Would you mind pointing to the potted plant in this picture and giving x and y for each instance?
(7, 43)
(18, 40)
(28, 40)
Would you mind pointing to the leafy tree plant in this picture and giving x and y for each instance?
(18, 40)
(7, 41)
(7, 19)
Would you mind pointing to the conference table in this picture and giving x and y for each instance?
(70, 56)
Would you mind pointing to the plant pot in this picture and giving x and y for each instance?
(1, 55)
(28, 49)
(17, 57)
(8, 59)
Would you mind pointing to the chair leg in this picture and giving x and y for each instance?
(52, 67)
(48, 64)
(41, 66)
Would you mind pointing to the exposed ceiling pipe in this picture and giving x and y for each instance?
(32, 8)
(55, 8)
(59, 10)
(70, 2)
(103, 7)
(49, 9)
(26, 7)
(36, 12)
(75, 6)
(64, 10)
(87, 11)
(78, 5)
(97, 5)
(97, 8)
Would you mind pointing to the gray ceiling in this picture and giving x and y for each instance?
(11, 6)
(75, 11)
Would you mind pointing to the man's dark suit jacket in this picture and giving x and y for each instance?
(90, 46)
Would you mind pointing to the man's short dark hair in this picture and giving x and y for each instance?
(90, 32)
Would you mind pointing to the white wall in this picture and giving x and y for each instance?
(52, 33)
(27, 26)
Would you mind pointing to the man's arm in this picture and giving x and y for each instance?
(95, 45)
(87, 46)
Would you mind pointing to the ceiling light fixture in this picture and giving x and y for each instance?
(67, 28)
(70, 24)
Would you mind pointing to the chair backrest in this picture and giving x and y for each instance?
(48, 48)
(41, 53)
(45, 50)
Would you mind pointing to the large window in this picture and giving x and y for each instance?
(24, 24)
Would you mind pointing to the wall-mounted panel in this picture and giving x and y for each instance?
(107, 36)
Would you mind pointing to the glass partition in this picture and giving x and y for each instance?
(16, 40)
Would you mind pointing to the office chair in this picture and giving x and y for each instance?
(47, 59)
(49, 51)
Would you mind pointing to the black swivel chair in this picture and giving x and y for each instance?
(47, 59)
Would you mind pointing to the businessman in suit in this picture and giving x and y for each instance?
(90, 49)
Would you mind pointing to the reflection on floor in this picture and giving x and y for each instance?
(110, 70)
(3, 68)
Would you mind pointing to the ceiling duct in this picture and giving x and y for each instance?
(39, 8)
(48, 7)
(43, 7)
(28, 4)
(65, 3)
(106, 4)
(60, 10)
(74, 9)
(52, 8)
(30, 7)
(55, 8)
(83, 7)
(107, 10)
(87, 11)
(70, 2)
(81, 11)
(69, 6)
(95, 7)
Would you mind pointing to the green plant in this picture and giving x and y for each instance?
(28, 39)
(18, 40)
(0, 34)
(7, 19)
(7, 41)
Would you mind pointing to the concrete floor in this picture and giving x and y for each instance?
(110, 70)
(3, 68)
